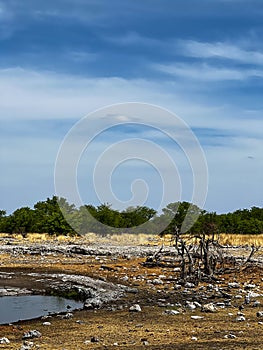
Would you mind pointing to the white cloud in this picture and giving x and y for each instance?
(27, 94)
(134, 38)
(220, 50)
(31, 95)
(205, 72)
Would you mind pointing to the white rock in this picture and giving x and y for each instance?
(31, 334)
(209, 308)
(172, 312)
(194, 338)
(197, 304)
(190, 306)
(177, 286)
(238, 296)
(210, 286)
(233, 285)
(254, 294)
(196, 317)
(135, 308)
(250, 286)
(157, 281)
(27, 345)
(230, 336)
(46, 324)
(240, 319)
(222, 305)
(4, 340)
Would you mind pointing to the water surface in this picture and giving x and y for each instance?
(24, 307)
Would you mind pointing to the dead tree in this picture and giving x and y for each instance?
(197, 259)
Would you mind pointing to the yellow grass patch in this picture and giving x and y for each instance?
(133, 239)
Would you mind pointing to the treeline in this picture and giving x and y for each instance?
(47, 217)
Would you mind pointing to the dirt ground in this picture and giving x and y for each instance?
(115, 327)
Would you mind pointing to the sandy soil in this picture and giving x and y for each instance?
(115, 327)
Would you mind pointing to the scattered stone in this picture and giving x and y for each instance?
(238, 296)
(254, 294)
(194, 338)
(45, 317)
(144, 341)
(247, 299)
(135, 308)
(240, 313)
(80, 322)
(227, 303)
(171, 312)
(4, 340)
(233, 285)
(46, 324)
(256, 303)
(240, 319)
(209, 308)
(230, 336)
(196, 317)
(27, 345)
(94, 340)
(95, 303)
(177, 269)
(189, 285)
(190, 305)
(157, 281)
(260, 314)
(177, 286)
(210, 287)
(220, 304)
(67, 316)
(250, 286)
(32, 334)
(197, 304)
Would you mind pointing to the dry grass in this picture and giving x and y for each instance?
(123, 330)
(132, 239)
(238, 240)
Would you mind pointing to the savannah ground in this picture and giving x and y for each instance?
(114, 326)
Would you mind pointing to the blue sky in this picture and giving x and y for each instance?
(60, 60)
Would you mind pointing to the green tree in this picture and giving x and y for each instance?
(3, 221)
(22, 221)
(183, 216)
(135, 216)
(49, 217)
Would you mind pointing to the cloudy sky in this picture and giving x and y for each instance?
(63, 59)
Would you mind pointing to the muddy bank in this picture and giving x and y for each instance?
(94, 293)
